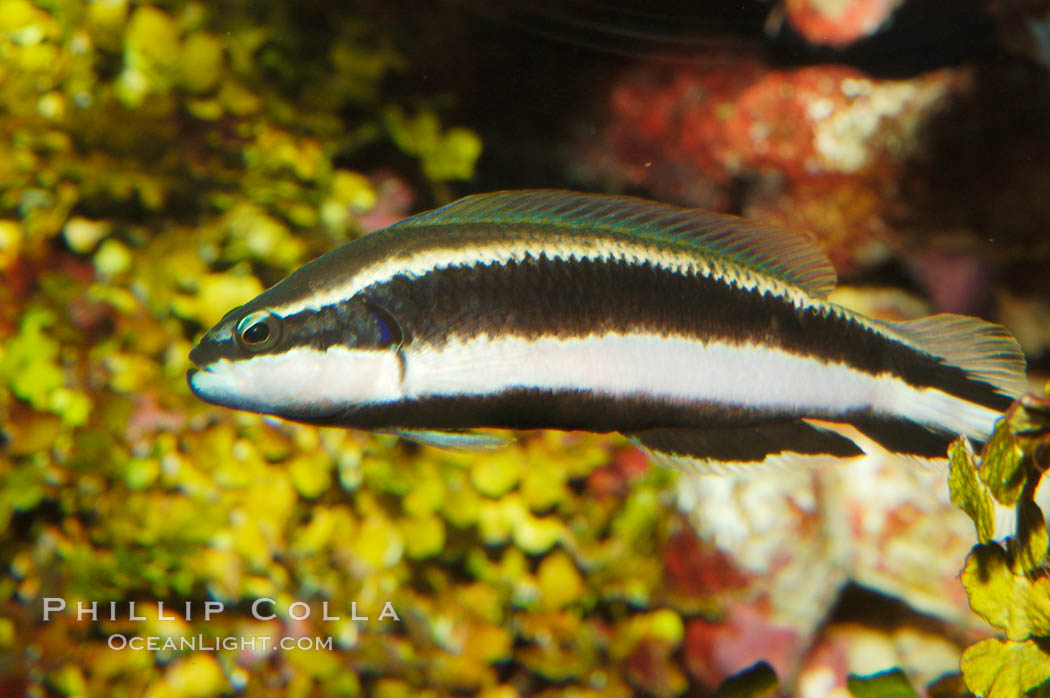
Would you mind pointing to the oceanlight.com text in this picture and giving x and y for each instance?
(195, 643)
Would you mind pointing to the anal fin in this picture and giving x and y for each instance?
(899, 437)
(722, 451)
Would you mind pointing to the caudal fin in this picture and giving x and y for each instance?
(978, 369)
(985, 351)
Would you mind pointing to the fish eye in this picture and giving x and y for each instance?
(390, 333)
(258, 331)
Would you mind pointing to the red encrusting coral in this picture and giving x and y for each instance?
(818, 148)
(837, 23)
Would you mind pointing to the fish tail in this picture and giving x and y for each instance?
(987, 352)
(983, 371)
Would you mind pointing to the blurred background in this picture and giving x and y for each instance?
(161, 163)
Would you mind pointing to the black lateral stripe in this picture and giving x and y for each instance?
(531, 408)
(554, 297)
(747, 444)
(902, 436)
(354, 323)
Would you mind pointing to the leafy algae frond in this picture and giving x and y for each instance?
(1008, 583)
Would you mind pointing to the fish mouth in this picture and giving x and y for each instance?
(191, 375)
(318, 415)
(189, 381)
(197, 379)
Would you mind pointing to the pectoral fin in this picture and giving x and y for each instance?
(467, 440)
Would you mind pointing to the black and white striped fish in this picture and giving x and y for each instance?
(705, 338)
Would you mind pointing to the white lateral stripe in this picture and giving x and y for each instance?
(685, 370)
(302, 378)
(559, 248)
(673, 368)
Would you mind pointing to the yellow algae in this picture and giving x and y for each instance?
(238, 99)
(204, 109)
(82, 234)
(543, 483)
(29, 363)
(424, 536)
(256, 235)
(141, 473)
(201, 62)
(73, 406)
(394, 688)
(162, 621)
(151, 47)
(327, 527)
(105, 20)
(663, 625)
(559, 582)
(249, 543)
(7, 633)
(499, 692)
(538, 534)
(216, 294)
(1000, 669)
(351, 192)
(129, 372)
(24, 24)
(10, 243)
(462, 505)
(448, 155)
(483, 601)
(69, 680)
(489, 643)
(222, 567)
(195, 676)
(494, 474)
(315, 663)
(51, 106)
(497, 519)
(311, 474)
(377, 543)
(353, 189)
(453, 156)
(113, 258)
(427, 495)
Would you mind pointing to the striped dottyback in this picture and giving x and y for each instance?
(704, 337)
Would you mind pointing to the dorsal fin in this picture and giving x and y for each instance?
(790, 257)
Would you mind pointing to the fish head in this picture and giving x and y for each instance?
(308, 364)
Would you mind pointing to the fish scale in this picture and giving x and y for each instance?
(704, 337)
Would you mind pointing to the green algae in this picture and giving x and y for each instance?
(1006, 582)
(887, 684)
